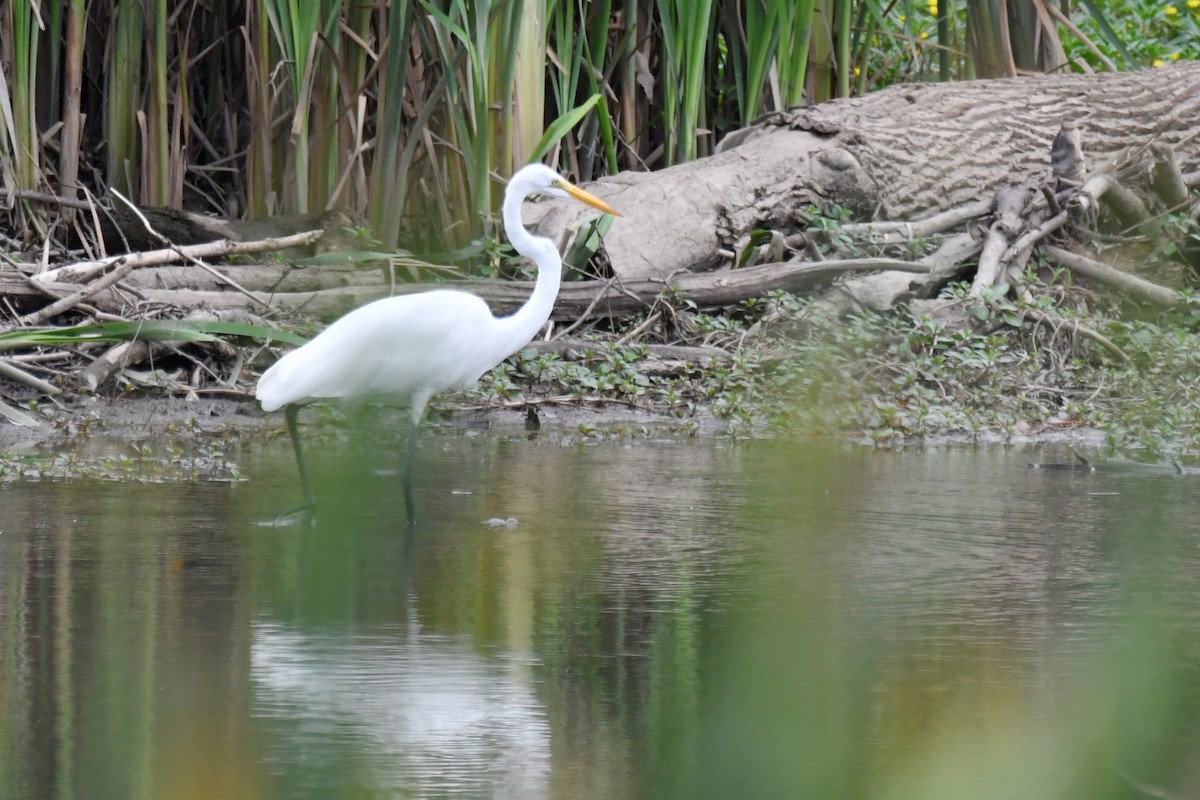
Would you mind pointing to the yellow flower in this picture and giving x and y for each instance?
(1193, 3)
(1158, 62)
(1171, 11)
(1174, 56)
(934, 3)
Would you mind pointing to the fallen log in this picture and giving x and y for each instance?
(590, 299)
(900, 153)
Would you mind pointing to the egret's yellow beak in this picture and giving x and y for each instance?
(585, 197)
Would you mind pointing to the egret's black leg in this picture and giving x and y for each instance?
(310, 500)
(409, 450)
(302, 513)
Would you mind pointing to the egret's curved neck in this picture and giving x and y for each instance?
(517, 330)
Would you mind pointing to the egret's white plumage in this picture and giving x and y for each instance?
(396, 347)
(414, 346)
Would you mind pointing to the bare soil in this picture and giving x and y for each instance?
(144, 416)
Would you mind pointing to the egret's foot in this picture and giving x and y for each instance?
(304, 516)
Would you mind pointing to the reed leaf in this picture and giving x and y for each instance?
(260, 199)
(594, 75)
(477, 44)
(1106, 29)
(8, 134)
(797, 21)
(685, 39)
(68, 170)
(559, 128)
(845, 69)
(154, 330)
(608, 140)
(389, 175)
(518, 59)
(565, 29)
(156, 176)
(25, 36)
(758, 45)
(630, 103)
(989, 47)
(122, 98)
(298, 27)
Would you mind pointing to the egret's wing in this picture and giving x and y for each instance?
(393, 346)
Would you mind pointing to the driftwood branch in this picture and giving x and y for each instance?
(74, 298)
(1010, 202)
(1099, 272)
(15, 373)
(899, 232)
(591, 299)
(85, 270)
(114, 359)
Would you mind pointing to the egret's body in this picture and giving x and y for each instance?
(397, 347)
(413, 346)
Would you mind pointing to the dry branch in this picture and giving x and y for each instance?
(73, 299)
(593, 299)
(85, 270)
(1136, 287)
(1017, 255)
(899, 232)
(1079, 328)
(15, 373)
(115, 359)
(1010, 202)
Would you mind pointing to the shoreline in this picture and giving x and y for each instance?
(179, 419)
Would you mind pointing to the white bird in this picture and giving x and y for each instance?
(414, 346)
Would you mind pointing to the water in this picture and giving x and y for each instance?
(669, 618)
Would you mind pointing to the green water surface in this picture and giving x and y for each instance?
(668, 617)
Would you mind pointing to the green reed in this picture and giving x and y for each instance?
(410, 114)
(686, 37)
(24, 24)
(299, 29)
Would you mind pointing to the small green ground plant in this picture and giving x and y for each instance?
(1002, 369)
(1149, 33)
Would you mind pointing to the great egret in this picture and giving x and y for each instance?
(414, 346)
